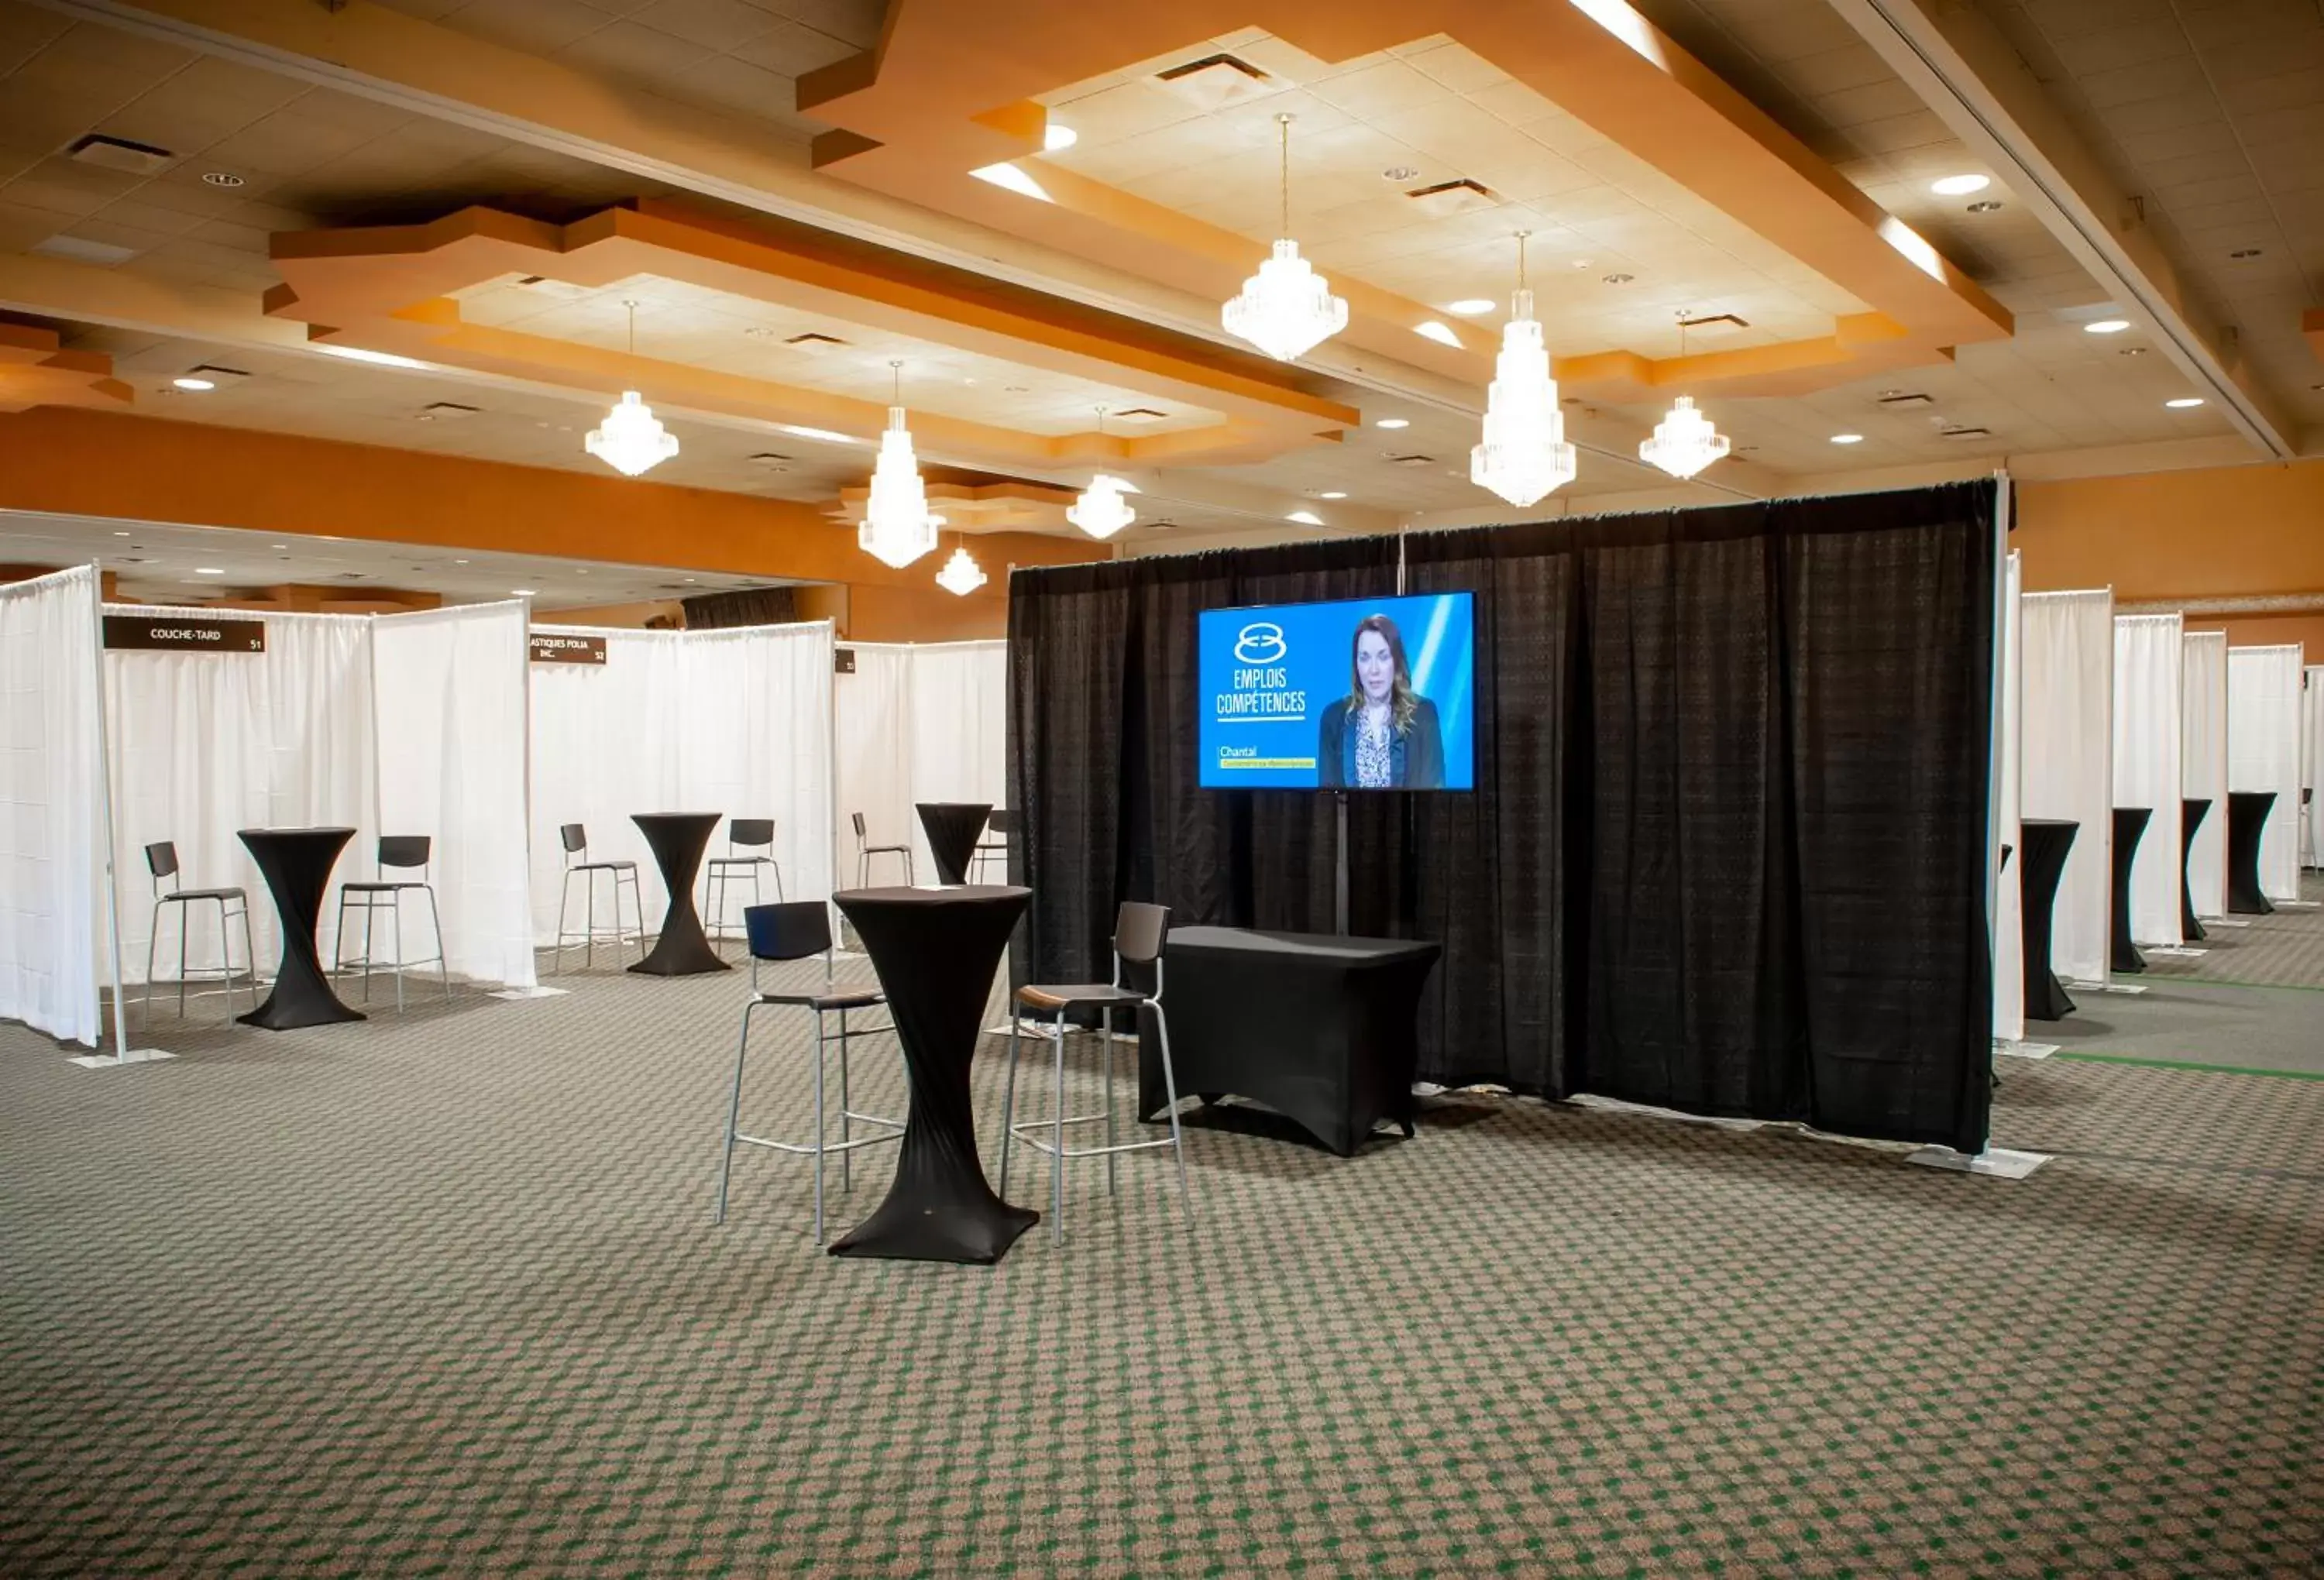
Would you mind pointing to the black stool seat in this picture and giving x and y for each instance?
(382, 885)
(861, 998)
(603, 867)
(215, 894)
(1066, 995)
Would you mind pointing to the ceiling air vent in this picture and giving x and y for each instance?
(118, 153)
(1965, 433)
(542, 285)
(83, 251)
(1716, 324)
(216, 373)
(770, 458)
(1139, 414)
(813, 342)
(1898, 401)
(1447, 198)
(1216, 81)
(1412, 459)
(445, 411)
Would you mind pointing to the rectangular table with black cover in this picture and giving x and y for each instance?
(1323, 1029)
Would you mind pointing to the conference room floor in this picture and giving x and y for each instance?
(440, 1293)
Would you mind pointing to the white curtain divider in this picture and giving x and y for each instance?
(735, 721)
(2008, 915)
(53, 850)
(2203, 765)
(2069, 762)
(2149, 654)
(2314, 759)
(450, 709)
(921, 721)
(2263, 718)
(208, 744)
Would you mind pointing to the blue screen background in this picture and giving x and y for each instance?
(1263, 735)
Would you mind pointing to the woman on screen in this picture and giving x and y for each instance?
(1382, 735)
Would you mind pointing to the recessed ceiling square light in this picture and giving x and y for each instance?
(1306, 518)
(1848, 438)
(207, 571)
(193, 384)
(1959, 185)
(2184, 402)
(1332, 493)
(2105, 327)
(1393, 422)
(1439, 332)
(1470, 307)
(385, 359)
(522, 591)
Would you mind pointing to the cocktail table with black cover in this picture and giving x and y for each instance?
(297, 865)
(935, 951)
(2046, 842)
(2247, 812)
(677, 839)
(2192, 810)
(953, 828)
(1321, 1028)
(2129, 826)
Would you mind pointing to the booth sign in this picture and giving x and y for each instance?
(554, 649)
(138, 632)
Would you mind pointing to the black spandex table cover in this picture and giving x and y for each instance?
(2192, 812)
(935, 951)
(1323, 1029)
(2046, 842)
(2247, 812)
(677, 839)
(2129, 826)
(297, 865)
(954, 827)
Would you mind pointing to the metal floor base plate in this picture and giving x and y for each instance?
(1999, 1162)
(115, 1061)
(2022, 1050)
(533, 992)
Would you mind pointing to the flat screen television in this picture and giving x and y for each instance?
(1365, 694)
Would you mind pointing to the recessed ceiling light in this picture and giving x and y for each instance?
(522, 591)
(386, 359)
(207, 571)
(1848, 438)
(1055, 137)
(121, 535)
(1393, 422)
(1441, 333)
(2184, 402)
(825, 435)
(278, 545)
(1959, 185)
(1332, 493)
(1306, 518)
(223, 179)
(2106, 326)
(195, 383)
(459, 561)
(1470, 307)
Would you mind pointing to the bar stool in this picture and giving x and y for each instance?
(403, 852)
(743, 833)
(864, 853)
(796, 931)
(575, 840)
(162, 862)
(1138, 934)
(996, 825)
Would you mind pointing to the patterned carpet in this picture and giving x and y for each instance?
(2285, 950)
(439, 1294)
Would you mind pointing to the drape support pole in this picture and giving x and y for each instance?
(1994, 756)
(1340, 864)
(122, 1054)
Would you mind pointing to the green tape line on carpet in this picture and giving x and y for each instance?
(2191, 1064)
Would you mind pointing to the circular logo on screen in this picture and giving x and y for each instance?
(1260, 642)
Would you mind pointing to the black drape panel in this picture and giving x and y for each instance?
(1725, 850)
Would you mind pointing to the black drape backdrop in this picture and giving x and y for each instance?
(1726, 849)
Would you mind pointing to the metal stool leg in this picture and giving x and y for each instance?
(734, 1111)
(1105, 1052)
(1170, 1090)
(249, 957)
(1009, 1102)
(564, 898)
(435, 922)
(398, 898)
(846, 1178)
(1058, 1159)
(818, 1127)
(152, 941)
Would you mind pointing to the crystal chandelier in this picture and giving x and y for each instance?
(629, 440)
(1524, 454)
(961, 575)
(897, 527)
(1101, 510)
(1684, 442)
(1287, 309)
